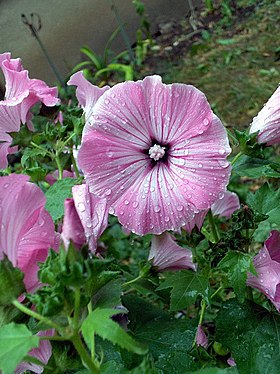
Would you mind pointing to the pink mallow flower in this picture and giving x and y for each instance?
(21, 94)
(201, 338)
(27, 230)
(42, 353)
(166, 254)
(267, 265)
(224, 206)
(267, 122)
(85, 219)
(156, 152)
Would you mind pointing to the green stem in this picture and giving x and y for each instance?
(236, 158)
(41, 149)
(76, 340)
(216, 292)
(55, 337)
(76, 309)
(213, 226)
(75, 167)
(201, 317)
(60, 169)
(35, 315)
(250, 293)
(140, 276)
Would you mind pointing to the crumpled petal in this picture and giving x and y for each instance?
(93, 213)
(165, 254)
(267, 265)
(21, 94)
(72, 228)
(27, 230)
(267, 122)
(201, 338)
(126, 122)
(42, 353)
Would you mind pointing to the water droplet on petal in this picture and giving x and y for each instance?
(221, 195)
(157, 209)
(81, 207)
(106, 101)
(135, 204)
(41, 221)
(108, 192)
(222, 151)
(166, 219)
(180, 208)
(126, 202)
(200, 165)
(111, 210)
(6, 185)
(206, 122)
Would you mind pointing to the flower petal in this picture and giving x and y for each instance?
(226, 206)
(72, 228)
(167, 255)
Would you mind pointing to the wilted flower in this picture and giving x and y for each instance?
(165, 254)
(27, 230)
(201, 338)
(42, 353)
(267, 265)
(156, 152)
(223, 207)
(21, 94)
(86, 217)
(267, 122)
(231, 361)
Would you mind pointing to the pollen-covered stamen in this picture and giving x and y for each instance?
(156, 152)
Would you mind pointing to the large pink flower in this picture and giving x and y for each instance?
(27, 230)
(156, 152)
(21, 94)
(267, 265)
(85, 219)
(267, 122)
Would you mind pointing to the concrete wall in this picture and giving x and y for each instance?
(69, 24)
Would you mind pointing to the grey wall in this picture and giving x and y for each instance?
(69, 24)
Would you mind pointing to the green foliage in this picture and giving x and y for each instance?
(15, 342)
(252, 336)
(99, 322)
(11, 282)
(56, 194)
(237, 264)
(253, 167)
(186, 287)
(266, 201)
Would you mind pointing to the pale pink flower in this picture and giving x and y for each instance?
(267, 122)
(225, 206)
(27, 230)
(166, 254)
(89, 219)
(42, 353)
(267, 265)
(231, 361)
(156, 152)
(21, 94)
(201, 338)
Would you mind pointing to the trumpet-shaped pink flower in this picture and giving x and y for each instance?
(267, 265)
(156, 152)
(165, 254)
(42, 353)
(21, 94)
(86, 217)
(267, 122)
(223, 207)
(27, 230)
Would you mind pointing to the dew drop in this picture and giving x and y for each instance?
(200, 165)
(89, 225)
(81, 207)
(180, 208)
(106, 101)
(111, 210)
(44, 234)
(135, 204)
(41, 221)
(166, 219)
(222, 151)
(108, 192)
(157, 209)
(6, 185)
(221, 195)
(126, 202)
(206, 122)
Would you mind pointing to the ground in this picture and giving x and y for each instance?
(230, 51)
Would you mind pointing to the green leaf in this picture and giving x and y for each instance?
(31, 153)
(110, 367)
(186, 287)
(252, 334)
(255, 168)
(237, 265)
(232, 370)
(99, 322)
(15, 342)
(56, 194)
(108, 296)
(11, 282)
(266, 201)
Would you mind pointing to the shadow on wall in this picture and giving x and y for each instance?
(66, 28)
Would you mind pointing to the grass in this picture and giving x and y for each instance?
(235, 62)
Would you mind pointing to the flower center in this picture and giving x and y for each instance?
(156, 152)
